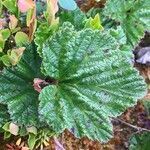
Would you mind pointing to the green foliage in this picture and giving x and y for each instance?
(17, 90)
(4, 116)
(93, 82)
(4, 35)
(140, 142)
(76, 17)
(11, 5)
(43, 32)
(94, 23)
(88, 79)
(132, 15)
(121, 38)
(21, 38)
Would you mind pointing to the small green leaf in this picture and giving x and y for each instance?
(6, 126)
(5, 33)
(21, 38)
(94, 23)
(7, 135)
(11, 5)
(32, 141)
(6, 60)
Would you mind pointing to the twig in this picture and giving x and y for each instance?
(139, 129)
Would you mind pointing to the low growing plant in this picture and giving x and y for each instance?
(76, 76)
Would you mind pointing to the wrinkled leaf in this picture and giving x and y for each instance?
(22, 99)
(133, 16)
(43, 32)
(93, 81)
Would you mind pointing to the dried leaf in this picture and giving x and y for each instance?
(31, 22)
(37, 83)
(52, 9)
(58, 145)
(24, 148)
(18, 142)
(2, 23)
(13, 22)
(54, 6)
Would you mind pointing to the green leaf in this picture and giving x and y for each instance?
(93, 81)
(6, 60)
(140, 142)
(21, 38)
(94, 23)
(76, 17)
(69, 5)
(11, 5)
(32, 141)
(17, 89)
(43, 32)
(5, 33)
(1, 7)
(6, 126)
(7, 135)
(2, 44)
(119, 35)
(4, 116)
(132, 15)
(121, 38)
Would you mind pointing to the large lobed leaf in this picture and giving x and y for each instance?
(134, 17)
(94, 82)
(16, 89)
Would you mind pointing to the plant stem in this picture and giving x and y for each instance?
(139, 129)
